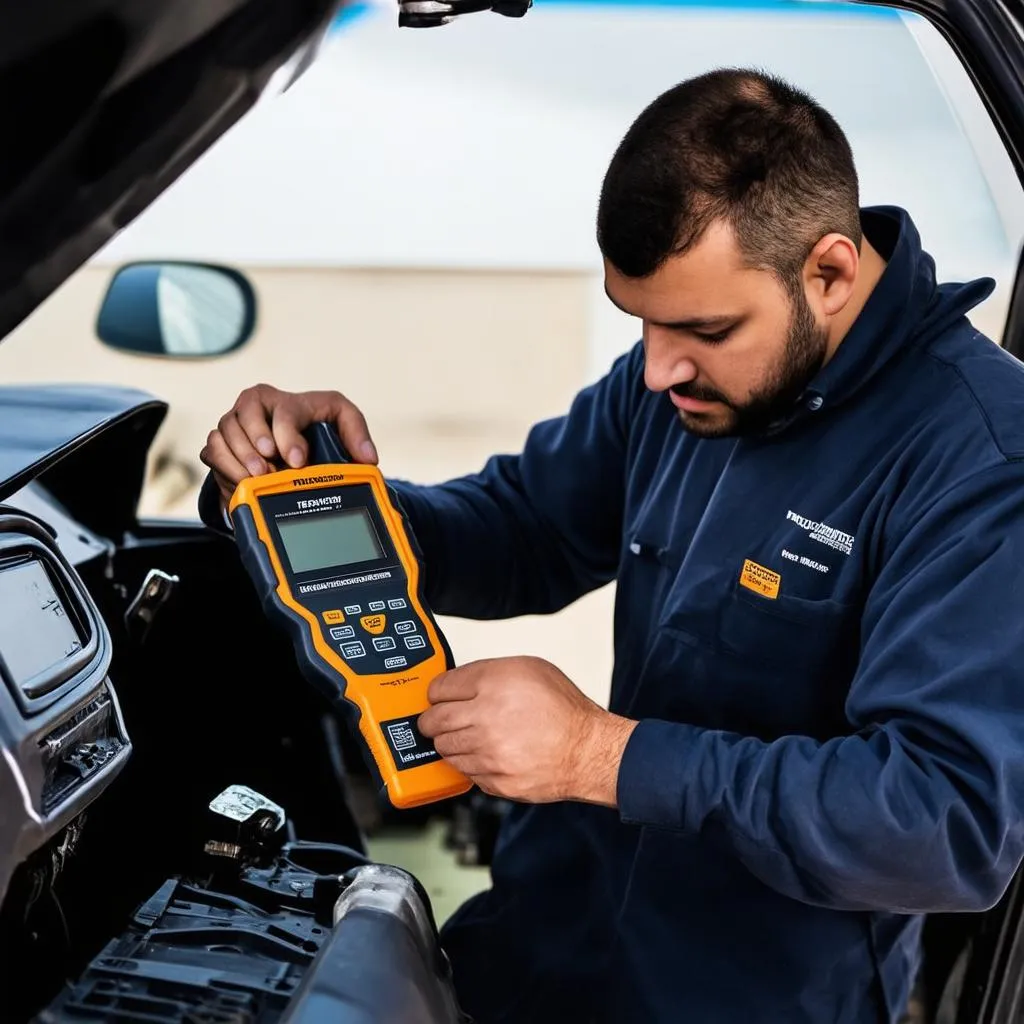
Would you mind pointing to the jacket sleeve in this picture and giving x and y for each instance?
(919, 809)
(532, 532)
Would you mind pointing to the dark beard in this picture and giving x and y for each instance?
(802, 359)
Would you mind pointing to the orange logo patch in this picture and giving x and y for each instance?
(759, 579)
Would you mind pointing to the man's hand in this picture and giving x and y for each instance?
(265, 424)
(520, 729)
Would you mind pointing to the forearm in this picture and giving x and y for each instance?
(595, 758)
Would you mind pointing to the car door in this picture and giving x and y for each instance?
(974, 964)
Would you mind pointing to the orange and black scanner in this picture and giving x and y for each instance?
(337, 566)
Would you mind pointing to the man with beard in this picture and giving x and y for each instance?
(808, 483)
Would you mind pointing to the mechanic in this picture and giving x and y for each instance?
(808, 483)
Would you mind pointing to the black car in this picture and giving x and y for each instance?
(155, 863)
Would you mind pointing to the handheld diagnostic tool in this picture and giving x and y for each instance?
(336, 564)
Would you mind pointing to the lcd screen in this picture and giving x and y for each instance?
(36, 635)
(329, 539)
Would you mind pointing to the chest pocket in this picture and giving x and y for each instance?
(786, 632)
(755, 665)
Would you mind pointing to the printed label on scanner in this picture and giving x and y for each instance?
(409, 747)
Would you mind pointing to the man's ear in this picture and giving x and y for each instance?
(830, 273)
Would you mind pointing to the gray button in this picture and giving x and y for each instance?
(415, 642)
(356, 650)
(342, 633)
(408, 626)
(815, 402)
(384, 643)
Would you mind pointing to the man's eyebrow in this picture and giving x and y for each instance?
(696, 323)
(700, 323)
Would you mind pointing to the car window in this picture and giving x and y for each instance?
(417, 216)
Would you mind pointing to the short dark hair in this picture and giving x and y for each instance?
(737, 145)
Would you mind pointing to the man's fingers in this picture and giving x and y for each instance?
(291, 416)
(473, 766)
(334, 407)
(219, 457)
(355, 434)
(456, 684)
(458, 743)
(237, 439)
(273, 422)
(290, 419)
(254, 410)
(442, 718)
(266, 425)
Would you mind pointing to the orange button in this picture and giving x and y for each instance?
(334, 617)
(373, 623)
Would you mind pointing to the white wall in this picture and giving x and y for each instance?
(482, 144)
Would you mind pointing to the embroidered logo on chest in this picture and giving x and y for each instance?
(824, 534)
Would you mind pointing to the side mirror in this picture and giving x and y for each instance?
(177, 309)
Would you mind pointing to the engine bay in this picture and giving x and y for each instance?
(178, 839)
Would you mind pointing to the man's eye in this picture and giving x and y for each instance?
(714, 339)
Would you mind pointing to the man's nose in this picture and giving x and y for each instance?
(665, 362)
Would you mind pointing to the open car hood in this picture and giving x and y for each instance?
(104, 103)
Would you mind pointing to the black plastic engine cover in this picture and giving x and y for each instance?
(315, 936)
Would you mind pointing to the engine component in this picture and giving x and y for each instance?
(250, 825)
(156, 590)
(316, 934)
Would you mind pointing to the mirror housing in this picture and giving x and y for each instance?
(177, 309)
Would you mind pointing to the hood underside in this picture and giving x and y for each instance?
(104, 103)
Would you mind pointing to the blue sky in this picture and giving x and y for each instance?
(359, 7)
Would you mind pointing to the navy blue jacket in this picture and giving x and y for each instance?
(825, 751)
(824, 754)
